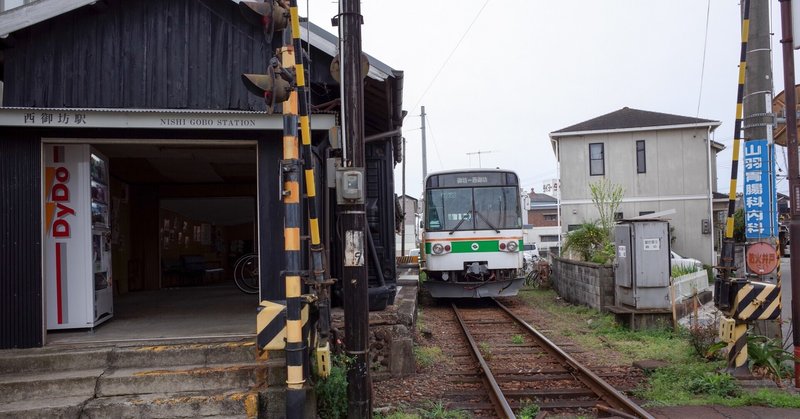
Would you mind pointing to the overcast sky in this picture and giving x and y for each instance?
(498, 77)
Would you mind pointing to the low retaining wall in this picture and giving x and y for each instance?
(391, 335)
(584, 283)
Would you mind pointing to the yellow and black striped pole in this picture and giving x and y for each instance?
(290, 167)
(317, 249)
(734, 332)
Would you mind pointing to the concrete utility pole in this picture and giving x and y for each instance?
(757, 121)
(794, 175)
(424, 149)
(758, 77)
(353, 216)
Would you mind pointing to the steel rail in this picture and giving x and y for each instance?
(499, 401)
(601, 387)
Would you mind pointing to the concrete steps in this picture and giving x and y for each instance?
(156, 381)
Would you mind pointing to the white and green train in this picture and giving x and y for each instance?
(472, 237)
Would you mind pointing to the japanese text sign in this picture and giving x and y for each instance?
(760, 208)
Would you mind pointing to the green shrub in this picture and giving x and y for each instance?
(768, 355)
(682, 270)
(332, 391)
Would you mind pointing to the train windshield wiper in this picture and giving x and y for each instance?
(486, 221)
(466, 216)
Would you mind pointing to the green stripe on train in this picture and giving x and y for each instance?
(477, 246)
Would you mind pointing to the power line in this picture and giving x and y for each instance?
(433, 141)
(703, 65)
(450, 55)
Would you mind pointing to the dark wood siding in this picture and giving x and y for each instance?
(20, 242)
(138, 54)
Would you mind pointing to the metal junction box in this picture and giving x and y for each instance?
(642, 274)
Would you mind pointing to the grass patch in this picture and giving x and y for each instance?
(691, 379)
(430, 410)
(517, 340)
(427, 355)
(598, 332)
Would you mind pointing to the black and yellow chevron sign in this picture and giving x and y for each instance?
(757, 301)
(271, 325)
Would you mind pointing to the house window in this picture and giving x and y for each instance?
(641, 161)
(618, 216)
(573, 227)
(548, 238)
(596, 163)
(641, 213)
(550, 217)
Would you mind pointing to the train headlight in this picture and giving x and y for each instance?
(438, 249)
(513, 246)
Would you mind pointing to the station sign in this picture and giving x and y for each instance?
(760, 206)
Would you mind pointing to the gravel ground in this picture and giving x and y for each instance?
(436, 329)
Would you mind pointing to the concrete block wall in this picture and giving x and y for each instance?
(584, 283)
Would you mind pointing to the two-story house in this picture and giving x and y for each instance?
(664, 162)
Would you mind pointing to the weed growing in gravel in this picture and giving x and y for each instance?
(529, 410)
(427, 355)
(486, 350)
(431, 410)
(437, 410)
(517, 340)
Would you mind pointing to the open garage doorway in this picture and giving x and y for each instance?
(179, 215)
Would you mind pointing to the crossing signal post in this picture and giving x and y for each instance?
(282, 325)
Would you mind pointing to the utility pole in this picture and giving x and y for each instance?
(758, 120)
(353, 216)
(403, 231)
(424, 149)
(794, 175)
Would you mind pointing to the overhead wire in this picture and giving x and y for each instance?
(433, 141)
(703, 63)
(450, 55)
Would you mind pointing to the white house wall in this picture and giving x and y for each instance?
(676, 178)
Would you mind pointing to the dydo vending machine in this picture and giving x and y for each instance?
(77, 253)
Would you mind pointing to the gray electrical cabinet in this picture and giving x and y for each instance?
(642, 274)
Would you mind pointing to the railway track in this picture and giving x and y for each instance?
(517, 366)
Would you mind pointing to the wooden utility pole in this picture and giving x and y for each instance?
(794, 175)
(353, 216)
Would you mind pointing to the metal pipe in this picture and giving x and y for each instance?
(794, 176)
(388, 134)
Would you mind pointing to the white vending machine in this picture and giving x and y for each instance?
(77, 253)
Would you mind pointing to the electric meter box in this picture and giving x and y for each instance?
(349, 186)
(642, 274)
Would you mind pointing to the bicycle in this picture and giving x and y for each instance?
(245, 273)
(539, 275)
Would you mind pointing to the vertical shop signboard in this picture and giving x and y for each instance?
(66, 230)
(760, 206)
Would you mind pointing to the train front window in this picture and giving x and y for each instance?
(484, 208)
(496, 207)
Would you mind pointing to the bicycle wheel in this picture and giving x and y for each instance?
(245, 274)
